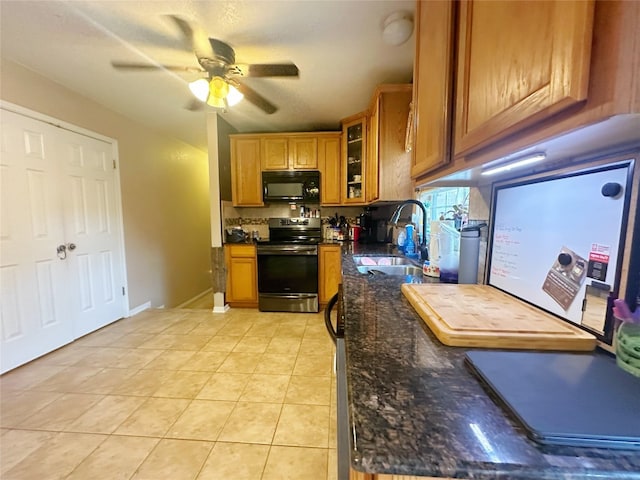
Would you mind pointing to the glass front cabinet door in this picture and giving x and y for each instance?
(354, 132)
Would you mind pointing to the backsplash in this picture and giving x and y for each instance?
(257, 218)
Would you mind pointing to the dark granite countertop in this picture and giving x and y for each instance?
(415, 409)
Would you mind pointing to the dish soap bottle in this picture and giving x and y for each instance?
(409, 245)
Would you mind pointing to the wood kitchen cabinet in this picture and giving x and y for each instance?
(246, 175)
(303, 153)
(388, 163)
(433, 86)
(518, 63)
(275, 153)
(329, 271)
(329, 166)
(251, 154)
(242, 275)
(354, 153)
(507, 96)
(287, 152)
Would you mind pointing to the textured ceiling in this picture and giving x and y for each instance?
(337, 46)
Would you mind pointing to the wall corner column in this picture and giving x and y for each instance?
(218, 270)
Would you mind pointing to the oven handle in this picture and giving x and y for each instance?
(338, 332)
(288, 296)
(310, 251)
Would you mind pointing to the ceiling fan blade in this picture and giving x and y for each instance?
(148, 66)
(195, 36)
(254, 97)
(269, 70)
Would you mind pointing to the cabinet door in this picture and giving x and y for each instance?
(303, 153)
(242, 285)
(373, 158)
(330, 271)
(354, 152)
(275, 153)
(433, 86)
(356, 475)
(393, 180)
(246, 177)
(329, 165)
(518, 63)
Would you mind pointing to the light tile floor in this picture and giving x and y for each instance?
(177, 394)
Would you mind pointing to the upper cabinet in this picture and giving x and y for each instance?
(288, 152)
(275, 153)
(251, 154)
(303, 153)
(388, 163)
(329, 166)
(246, 176)
(354, 152)
(518, 63)
(432, 86)
(525, 73)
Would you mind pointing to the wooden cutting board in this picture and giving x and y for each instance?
(482, 316)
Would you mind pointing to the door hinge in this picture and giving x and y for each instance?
(123, 291)
(114, 163)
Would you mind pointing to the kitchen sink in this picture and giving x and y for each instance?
(411, 270)
(371, 261)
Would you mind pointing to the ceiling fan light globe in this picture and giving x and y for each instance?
(234, 97)
(216, 102)
(218, 87)
(200, 89)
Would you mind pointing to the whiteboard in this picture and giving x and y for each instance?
(537, 226)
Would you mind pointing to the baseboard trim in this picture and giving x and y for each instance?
(196, 298)
(222, 309)
(138, 309)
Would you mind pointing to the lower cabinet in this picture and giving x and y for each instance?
(330, 271)
(242, 275)
(355, 475)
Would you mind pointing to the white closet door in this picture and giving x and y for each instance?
(59, 189)
(34, 311)
(92, 226)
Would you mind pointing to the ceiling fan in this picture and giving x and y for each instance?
(221, 87)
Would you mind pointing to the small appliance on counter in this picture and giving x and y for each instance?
(354, 232)
(236, 235)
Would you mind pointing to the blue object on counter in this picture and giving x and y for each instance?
(409, 245)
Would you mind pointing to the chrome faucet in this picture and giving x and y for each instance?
(424, 253)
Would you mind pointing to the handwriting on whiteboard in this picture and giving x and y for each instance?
(506, 251)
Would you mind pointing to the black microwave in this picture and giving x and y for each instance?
(291, 186)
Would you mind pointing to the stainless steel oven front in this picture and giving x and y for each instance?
(287, 278)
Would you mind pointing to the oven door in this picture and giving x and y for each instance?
(288, 278)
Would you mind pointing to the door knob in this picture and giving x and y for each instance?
(71, 246)
(61, 250)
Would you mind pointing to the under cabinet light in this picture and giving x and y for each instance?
(520, 162)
